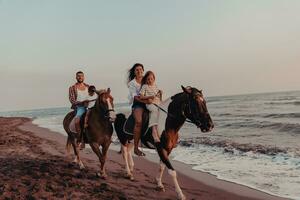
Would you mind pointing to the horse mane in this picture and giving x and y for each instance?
(97, 103)
(179, 97)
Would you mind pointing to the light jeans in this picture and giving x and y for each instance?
(80, 110)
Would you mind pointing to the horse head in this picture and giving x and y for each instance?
(195, 109)
(105, 104)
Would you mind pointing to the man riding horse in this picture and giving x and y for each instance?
(78, 97)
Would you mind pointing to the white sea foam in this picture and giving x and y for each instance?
(278, 175)
(53, 123)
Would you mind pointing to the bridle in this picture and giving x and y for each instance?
(187, 106)
(105, 111)
(184, 115)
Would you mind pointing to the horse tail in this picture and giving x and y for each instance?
(119, 124)
(68, 145)
(66, 123)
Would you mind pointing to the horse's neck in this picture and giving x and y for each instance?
(175, 119)
(98, 112)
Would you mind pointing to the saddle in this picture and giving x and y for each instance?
(73, 129)
(146, 132)
(129, 124)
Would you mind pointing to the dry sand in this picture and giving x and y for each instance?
(34, 165)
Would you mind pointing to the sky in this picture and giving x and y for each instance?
(223, 47)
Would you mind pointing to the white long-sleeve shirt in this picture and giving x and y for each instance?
(134, 90)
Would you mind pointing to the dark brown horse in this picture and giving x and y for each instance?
(189, 105)
(99, 129)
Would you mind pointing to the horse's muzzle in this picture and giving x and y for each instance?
(112, 116)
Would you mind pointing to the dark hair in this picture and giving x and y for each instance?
(79, 72)
(148, 73)
(131, 74)
(91, 88)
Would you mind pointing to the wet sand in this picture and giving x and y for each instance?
(34, 165)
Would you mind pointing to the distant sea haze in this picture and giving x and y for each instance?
(256, 140)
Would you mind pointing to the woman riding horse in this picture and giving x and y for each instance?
(188, 105)
(135, 76)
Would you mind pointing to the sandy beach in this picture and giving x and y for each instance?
(34, 165)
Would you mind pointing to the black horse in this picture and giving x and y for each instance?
(188, 105)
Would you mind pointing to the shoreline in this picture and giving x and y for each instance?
(195, 184)
(211, 179)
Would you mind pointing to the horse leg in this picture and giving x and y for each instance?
(125, 157)
(177, 187)
(76, 152)
(164, 156)
(159, 176)
(104, 155)
(130, 158)
(95, 148)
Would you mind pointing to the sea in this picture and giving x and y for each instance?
(255, 142)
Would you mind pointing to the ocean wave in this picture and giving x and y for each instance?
(246, 115)
(281, 127)
(231, 147)
(293, 128)
(297, 103)
(283, 115)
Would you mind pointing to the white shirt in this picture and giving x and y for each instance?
(134, 90)
(93, 97)
(82, 94)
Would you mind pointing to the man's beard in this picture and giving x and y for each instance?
(79, 81)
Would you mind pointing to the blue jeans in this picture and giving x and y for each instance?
(80, 110)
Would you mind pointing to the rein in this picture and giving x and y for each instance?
(186, 119)
(92, 100)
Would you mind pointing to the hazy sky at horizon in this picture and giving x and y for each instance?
(223, 47)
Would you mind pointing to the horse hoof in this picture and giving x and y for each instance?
(103, 176)
(161, 188)
(182, 197)
(131, 178)
(81, 167)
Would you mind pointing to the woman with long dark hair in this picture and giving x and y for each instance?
(135, 76)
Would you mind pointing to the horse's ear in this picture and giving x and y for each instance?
(186, 89)
(99, 92)
(108, 90)
(183, 88)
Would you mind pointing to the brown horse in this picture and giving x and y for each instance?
(99, 130)
(189, 105)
